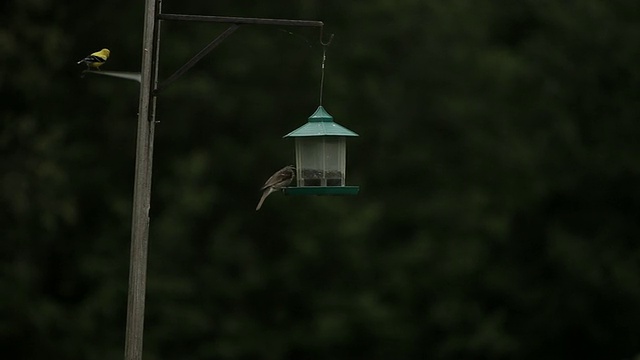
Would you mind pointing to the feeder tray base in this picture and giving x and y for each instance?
(321, 190)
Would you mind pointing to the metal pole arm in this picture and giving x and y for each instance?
(240, 20)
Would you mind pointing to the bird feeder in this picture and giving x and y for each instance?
(321, 154)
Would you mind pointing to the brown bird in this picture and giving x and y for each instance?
(276, 182)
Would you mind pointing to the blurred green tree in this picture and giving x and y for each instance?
(498, 163)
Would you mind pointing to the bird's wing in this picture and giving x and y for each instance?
(277, 178)
(274, 179)
(93, 58)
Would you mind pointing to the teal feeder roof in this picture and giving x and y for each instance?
(321, 124)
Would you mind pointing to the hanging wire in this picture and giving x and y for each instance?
(324, 58)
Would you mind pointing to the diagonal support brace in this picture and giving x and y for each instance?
(207, 49)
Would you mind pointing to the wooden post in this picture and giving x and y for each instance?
(142, 184)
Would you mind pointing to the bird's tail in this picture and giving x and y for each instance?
(266, 193)
(80, 62)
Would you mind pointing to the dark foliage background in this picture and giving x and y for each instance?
(498, 161)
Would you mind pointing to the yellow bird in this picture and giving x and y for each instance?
(96, 59)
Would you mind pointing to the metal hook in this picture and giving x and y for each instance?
(322, 36)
